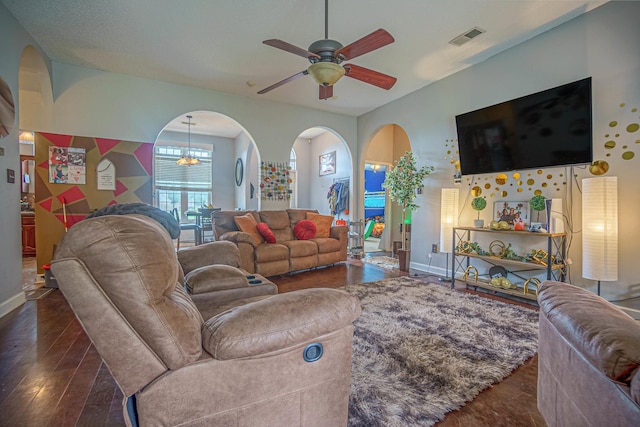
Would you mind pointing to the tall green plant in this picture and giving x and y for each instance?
(403, 182)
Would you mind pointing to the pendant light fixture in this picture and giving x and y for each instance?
(188, 160)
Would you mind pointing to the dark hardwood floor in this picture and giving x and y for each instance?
(51, 375)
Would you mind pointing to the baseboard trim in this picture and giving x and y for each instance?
(12, 303)
(436, 271)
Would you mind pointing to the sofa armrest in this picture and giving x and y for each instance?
(602, 333)
(213, 278)
(338, 232)
(278, 322)
(239, 237)
(221, 252)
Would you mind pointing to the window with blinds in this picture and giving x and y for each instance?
(185, 188)
(171, 176)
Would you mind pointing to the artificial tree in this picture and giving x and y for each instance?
(403, 182)
(478, 204)
(538, 204)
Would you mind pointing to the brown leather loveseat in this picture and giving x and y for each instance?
(288, 253)
(280, 360)
(588, 360)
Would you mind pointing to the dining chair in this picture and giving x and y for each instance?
(186, 226)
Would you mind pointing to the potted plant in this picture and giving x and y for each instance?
(478, 204)
(538, 204)
(403, 182)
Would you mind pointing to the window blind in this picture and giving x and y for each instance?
(171, 176)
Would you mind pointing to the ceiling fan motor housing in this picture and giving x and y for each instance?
(325, 49)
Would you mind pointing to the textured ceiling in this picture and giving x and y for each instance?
(218, 44)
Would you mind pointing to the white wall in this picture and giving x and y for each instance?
(603, 44)
(319, 185)
(305, 171)
(14, 40)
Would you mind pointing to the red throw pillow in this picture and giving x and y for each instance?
(266, 232)
(305, 230)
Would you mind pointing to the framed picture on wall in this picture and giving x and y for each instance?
(328, 163)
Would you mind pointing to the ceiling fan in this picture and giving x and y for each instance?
(326, 56)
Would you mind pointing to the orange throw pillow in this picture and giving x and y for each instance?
(322, 222)
(247, 224)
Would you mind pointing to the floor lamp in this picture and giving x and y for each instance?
(448, 220)
(600, 229)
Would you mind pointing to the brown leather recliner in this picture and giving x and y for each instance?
(283, 360)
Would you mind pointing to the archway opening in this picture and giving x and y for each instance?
(223, 179)
(322, 162)
(384, 148)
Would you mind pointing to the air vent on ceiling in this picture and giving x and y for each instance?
(466, 36)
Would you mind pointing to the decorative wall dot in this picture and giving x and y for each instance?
(531, 181)
(613, 124)
(501, 179)
(609, 145)
(544, 185)
(628, 155)
(537, 192)
(633, 127)
(617, 135)
(519, 190)
(549, 176)
(539, 171)
(516, 175)
(487, 186)
(476, 191)
(504, 194)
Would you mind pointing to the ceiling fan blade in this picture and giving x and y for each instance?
(326, 92)
(369, 76)
(288, 47)
(281, 82)
(373, 41)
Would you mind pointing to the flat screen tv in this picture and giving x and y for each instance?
(545, 129)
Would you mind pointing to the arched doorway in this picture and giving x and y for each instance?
(385, 147)
(224, 176)
(322, 159)
(35, 106)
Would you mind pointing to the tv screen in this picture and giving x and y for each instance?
(545, 129)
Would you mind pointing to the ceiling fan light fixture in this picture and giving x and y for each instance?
(326, 73)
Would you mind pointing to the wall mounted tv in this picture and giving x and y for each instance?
(545, 129)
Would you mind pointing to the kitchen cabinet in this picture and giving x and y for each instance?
(28, 235)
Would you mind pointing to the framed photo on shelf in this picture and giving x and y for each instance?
(328, 163)
(511, 211)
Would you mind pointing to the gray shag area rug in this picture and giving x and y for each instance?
(385, 262)
(421, 350)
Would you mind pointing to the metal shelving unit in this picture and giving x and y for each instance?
(356, 239)
(553, 264)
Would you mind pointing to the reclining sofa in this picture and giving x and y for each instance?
(288, 253)
(588, 360)
(265, 360)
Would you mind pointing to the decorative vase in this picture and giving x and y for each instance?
(404, 259)
(478, 223)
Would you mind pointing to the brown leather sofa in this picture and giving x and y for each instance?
(588, 360)
(280, 360)
(287, 254)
